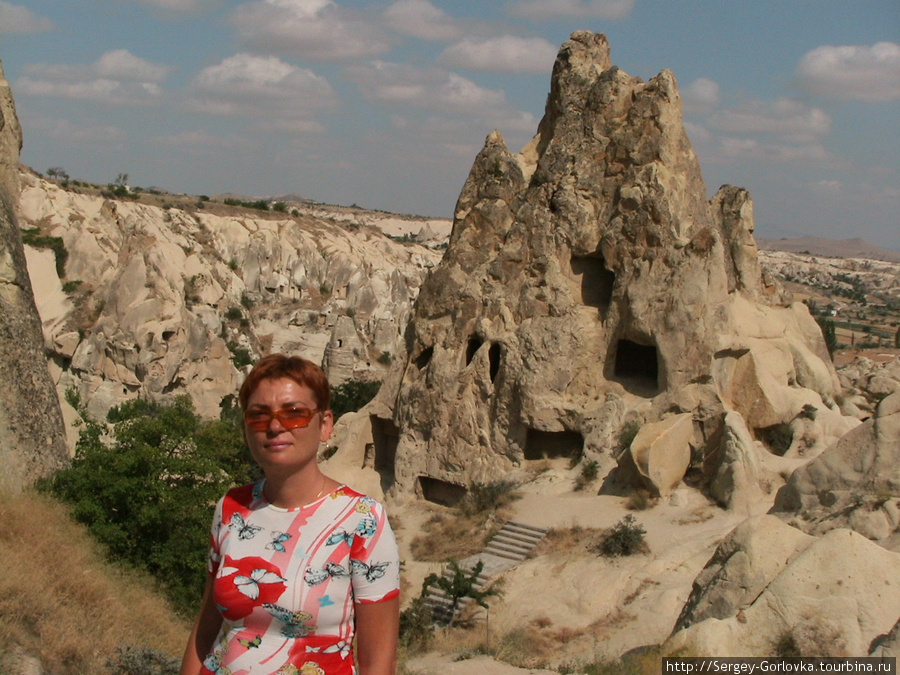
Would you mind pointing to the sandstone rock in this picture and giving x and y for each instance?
(736, 484)
(854, 482)
(32, 434)
(832, 598)
(887, 645)
(592, 265)
(744, 564)
(170, 297)
(661, 451)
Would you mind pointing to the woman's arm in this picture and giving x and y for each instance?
(377, 631)
(206, 628)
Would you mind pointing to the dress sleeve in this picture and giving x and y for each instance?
(215, 540)
(374, 558)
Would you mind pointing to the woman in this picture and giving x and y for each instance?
(299, 564)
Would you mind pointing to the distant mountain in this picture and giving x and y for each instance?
(832, 248)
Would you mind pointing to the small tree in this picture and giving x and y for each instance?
(459, 585)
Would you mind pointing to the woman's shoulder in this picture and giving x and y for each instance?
(242, 496)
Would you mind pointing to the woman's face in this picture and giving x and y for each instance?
(277, 448)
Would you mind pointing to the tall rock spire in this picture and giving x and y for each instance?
(588, 281)
(32, 433)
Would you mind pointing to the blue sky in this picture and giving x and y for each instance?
(385, 104)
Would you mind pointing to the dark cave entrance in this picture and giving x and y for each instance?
(553, 444)
(472, 347)
(386, 438)
(441, 491)
(596, 281)
(637, 367)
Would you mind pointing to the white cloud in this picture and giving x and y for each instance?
(118, 77)
(506, 53)
(181, 6)
(549, 10)
(748, 148)
(70, 134)
(433, 88)
(20, 19)
(317, 30)
(701, 96)
(421, 19)
(204, 140)
(827, 186)
(276, 93)
(787, 119)
(860, 73)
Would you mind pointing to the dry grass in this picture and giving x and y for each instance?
(61, 603)
(568, 539)
(452, 536)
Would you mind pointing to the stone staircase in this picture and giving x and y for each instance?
(510, 546)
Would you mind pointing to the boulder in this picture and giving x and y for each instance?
(855, 483)
(828, 596)
(661, 451)
(736, 484)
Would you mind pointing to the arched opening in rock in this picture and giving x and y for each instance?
(596, 281)
(424, 357)
(441, 491)
(552, 444)
(637, 367)
(385, 437)
(494, 357)
(473, 346)
(777, 438)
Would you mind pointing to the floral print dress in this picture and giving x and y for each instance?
(286, 580)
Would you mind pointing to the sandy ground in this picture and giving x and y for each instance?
(588, 607)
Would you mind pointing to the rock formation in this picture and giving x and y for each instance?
(588, 282)
(166, 300)
(771, 589)
(32, 435)
(855, 483)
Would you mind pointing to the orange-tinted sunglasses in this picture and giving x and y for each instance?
(259, 419)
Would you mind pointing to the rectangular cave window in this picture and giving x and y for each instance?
(386, 438)
(596, 281)
(424, 357)
(637, 367)
(441, 491)
(552, 444)
(494, 356)
(473, 346)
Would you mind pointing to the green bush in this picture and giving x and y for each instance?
(33, 237)
(484, 497)
(147, 493)
(416, 627)
(352, 395)
(624, 538)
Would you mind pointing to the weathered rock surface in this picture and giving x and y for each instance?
(166, 299)
(855, 483)
(589, 280)
(770, 589)
(32, 434)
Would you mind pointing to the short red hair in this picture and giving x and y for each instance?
(302, 371)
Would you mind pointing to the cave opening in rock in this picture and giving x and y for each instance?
(473, 346)
(637, 367)
(778, 438)
(596, 281)
(386, 438)
(424, 357)
(553, 444)
(494, 357)
(441, 491)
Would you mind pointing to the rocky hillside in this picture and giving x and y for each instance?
(149, 299)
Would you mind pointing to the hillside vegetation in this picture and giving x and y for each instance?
(63, 604)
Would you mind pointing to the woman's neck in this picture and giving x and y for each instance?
(296, 490)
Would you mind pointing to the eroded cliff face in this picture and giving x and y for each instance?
(32, 435)
(589, 281)
(165, 300)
